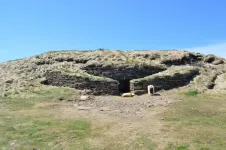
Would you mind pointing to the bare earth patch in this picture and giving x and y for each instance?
(125, 107)
(126, 119)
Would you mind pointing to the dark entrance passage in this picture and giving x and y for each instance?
(124, 86)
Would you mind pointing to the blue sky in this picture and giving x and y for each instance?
(29, 27)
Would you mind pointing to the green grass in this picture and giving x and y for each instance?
(141, 141)
(192, 92)
(44, 93)
(28, 126)
(42, 132)
(199, 121)
(15, 104)
(172, 146)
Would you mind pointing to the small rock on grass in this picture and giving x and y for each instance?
(84, 97)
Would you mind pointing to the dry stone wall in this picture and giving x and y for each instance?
(97, 85)
(122, 71)
(172, 78)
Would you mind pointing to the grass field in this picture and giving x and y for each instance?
(198, 122)
(32, 121)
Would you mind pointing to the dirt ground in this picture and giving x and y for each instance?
(124, 107)
(126, 117)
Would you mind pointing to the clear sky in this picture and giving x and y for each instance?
(29, 27)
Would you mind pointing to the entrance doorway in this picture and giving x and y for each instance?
(124, 86)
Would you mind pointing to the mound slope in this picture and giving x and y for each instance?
(112, 72)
